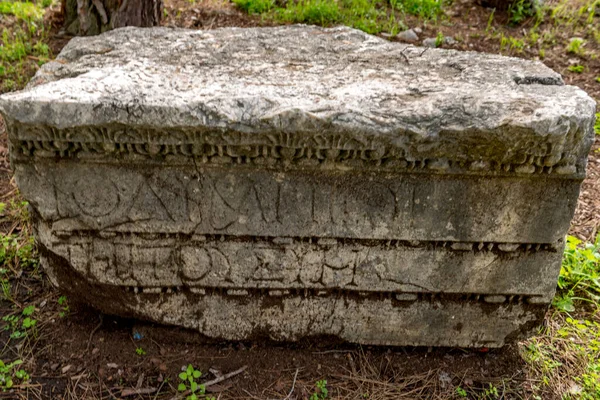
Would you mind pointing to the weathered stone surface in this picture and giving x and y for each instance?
(297, 181)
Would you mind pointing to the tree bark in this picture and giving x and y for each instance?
(91, 17)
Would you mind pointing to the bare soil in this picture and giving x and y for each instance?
(86, 355)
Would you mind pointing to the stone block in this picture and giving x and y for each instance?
(297, 182)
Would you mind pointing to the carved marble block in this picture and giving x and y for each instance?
(298, 182)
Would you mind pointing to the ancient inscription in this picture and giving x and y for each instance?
(329, 204)
(362, 266)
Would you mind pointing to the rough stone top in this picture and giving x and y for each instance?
(305, 79)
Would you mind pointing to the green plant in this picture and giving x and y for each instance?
(460, 392)
(598, 79)
(12, 324)
(323, 12)
(576, 68)
(188, 378)
(511, 43)
(321, 392)
(65, 310)
(255, 6)
(519, 11)
(21, 10)
(579, 277)
(9, 372)
(47, 3)
(425, 9)
(27, 311)
(26, 325)
(439, 39)
(575, 46)
(140, 351)
(491, 392)
(542, 54)
(488, 28)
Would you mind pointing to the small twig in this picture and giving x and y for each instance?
(92, 333)
(133, 392)
(332, 351)
(226, 376)
(293, 385)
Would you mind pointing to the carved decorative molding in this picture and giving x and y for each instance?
(535, 156)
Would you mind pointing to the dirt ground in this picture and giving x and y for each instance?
(86, 355)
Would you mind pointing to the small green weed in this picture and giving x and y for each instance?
(20, 328)
(321, 392)
(439, 39)
(490, 21)
(542, 54)
(460, 392)
(9, 373)
(188, 383)
(140, 351)
(575, 46)
(578, 69)
(64, 304)
(491, 392)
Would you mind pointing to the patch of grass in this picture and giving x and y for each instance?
(575, 46)
(17, 246)
(509, 43)
(565, 356)
(321, 12)
(255, 6)
(579, 274)
(21, 10)
(371, 16)
(23, 44)
(366, 15)
(424, 9)
(578, 69)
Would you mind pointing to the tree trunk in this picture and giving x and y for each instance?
(91, 17)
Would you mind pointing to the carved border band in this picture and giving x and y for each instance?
(311, 292)
(523, 157)
(84, 236)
